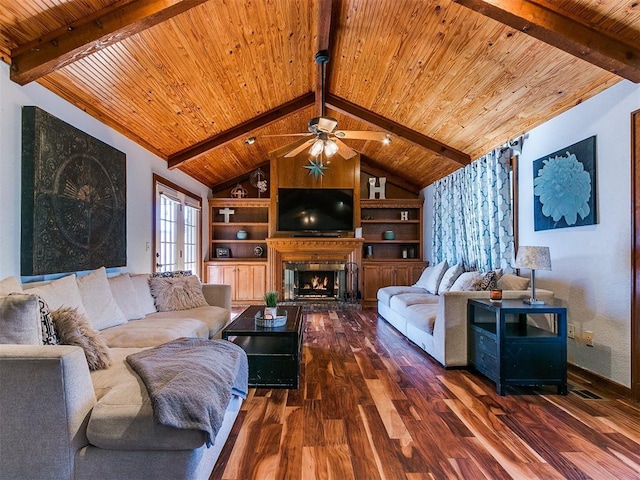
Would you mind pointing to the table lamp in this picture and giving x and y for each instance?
(534, 258)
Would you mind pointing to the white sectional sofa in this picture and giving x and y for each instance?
(62, 421)
(433, 314)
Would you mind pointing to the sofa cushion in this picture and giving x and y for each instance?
(20, 320)
(154, 330)
(385, 293)
(125, 296)
(177, 293)
(400, 303)
(466, 282)
(513, 282)
(143, 292)
(10, 285)
(102, 309)
(122, 418)
(450, 276)
(59, 293)
(406, 299)
(422, 316)
(214, 317)
(431, 281)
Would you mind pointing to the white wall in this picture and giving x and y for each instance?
(591, 264)
(141, 164)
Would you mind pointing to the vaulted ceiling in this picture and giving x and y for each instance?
(191, 80)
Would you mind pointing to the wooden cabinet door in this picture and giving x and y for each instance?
(259, 281)
(250, 282)
(375, 277)
(223, 274)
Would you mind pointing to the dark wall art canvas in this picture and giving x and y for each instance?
(73, 198)
(564, 187)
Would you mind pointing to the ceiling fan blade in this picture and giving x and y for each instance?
(308, 134)
(345, 151)
(361, 135)
(299, 148)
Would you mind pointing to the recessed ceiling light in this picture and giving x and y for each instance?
(250, 140)
(387, 140)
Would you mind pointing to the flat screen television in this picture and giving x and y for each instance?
(315, 210)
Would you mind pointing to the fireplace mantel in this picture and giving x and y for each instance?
(309, 249)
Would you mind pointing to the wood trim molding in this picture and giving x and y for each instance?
(546, 22)
(89, 35)
(598, 382)
(635, 256)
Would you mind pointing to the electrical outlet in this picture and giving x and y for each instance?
(588, 338)
(571, 330)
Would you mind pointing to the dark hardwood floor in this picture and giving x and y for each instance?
(372, 405)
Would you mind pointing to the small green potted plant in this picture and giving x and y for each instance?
(271, 304)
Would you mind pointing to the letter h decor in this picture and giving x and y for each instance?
(379, 190)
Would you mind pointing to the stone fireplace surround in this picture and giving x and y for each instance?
(330, 252)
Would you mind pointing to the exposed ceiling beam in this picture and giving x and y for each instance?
(325, 12)
(89, 35)
(412, 136)
(367, 166)
(547, 23)
(232, 134)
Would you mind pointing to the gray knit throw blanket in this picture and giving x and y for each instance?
(190, 381)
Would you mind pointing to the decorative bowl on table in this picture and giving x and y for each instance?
(278, 320)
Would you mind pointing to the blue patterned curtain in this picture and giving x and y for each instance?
(472, 217)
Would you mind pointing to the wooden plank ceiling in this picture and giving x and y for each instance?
(191, 80)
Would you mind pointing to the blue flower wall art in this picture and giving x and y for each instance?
(564, 187)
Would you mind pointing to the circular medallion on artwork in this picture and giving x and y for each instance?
(84, 202)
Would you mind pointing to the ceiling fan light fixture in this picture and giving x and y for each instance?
(330, 148)
(316, 148)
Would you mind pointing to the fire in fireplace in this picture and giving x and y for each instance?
(313, 280)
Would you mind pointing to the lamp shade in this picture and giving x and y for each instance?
(534, 258)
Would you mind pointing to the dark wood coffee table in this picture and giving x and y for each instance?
(274, 353)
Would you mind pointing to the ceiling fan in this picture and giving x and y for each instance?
(326, 138)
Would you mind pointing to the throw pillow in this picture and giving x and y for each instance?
(102, 309)
(19, 320)
(125, 296)
(424, 276)
(450, 276)
(177, 293)
(513, 282)
(10, 285)
(466, 282)
(74, 329)
(433, 282)
(49, 334)
(174, 274)
(143, 292)
(488, 281)
(59, 293)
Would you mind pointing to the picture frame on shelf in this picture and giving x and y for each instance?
(223, 252)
